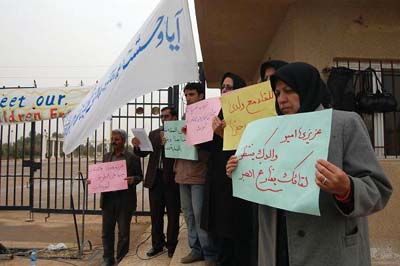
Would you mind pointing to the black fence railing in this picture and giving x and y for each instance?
(36, 175)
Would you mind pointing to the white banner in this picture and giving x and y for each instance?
(36, 104)
(161, 54)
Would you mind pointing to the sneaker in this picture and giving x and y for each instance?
(191, 258)
(211, 263)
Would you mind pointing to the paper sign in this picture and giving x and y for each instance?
(163, 45)
(243, 106)
(277, 157)
(108, 176)
(176, 145)
(199, 118)
(145, 143)
(36, 104)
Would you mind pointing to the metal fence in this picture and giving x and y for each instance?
(36, 175)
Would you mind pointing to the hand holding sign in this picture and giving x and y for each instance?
(218, 126)
(332, 179)
(275, 161)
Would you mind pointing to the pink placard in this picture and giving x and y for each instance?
(199, 118)
(108, 176)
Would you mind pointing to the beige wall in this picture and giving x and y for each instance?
(316, 33)
(385, 225)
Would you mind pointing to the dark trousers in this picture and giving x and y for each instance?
(236, 252)
(115, 211)
(163, 195)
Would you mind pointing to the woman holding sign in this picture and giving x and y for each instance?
(352, 185)
(231, 220)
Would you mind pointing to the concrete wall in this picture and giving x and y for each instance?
(385, 225)
(318, 31)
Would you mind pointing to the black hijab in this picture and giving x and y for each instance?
(238, 82)
(275, 64)
(305, 80)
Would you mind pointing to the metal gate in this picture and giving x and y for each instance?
(36, 175)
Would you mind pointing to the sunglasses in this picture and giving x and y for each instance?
(164, 116)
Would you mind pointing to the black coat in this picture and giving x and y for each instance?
(154, 161)
(224, 215)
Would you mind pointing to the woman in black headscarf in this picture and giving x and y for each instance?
(352, 185)
(230, 219)
(268, 68)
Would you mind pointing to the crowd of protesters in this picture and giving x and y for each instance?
(229, 231)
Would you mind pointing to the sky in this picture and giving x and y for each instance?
(51, 41)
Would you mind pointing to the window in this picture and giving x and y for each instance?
(384, 128)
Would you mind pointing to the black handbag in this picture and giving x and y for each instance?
(378, 102)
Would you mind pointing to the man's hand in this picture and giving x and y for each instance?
(130, 180)
(135, 142)
(163, 139)
(332, 179)
(218, 126)
(231, 165)
(184, 129)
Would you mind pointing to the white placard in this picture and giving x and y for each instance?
(145, 143)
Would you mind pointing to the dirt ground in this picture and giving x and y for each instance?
(19, 234)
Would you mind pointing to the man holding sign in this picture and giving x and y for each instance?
(163, 191)
(191, 177)
(118, 206)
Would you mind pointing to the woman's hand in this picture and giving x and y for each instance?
(231, 165)
(218, 126)
(332, 179)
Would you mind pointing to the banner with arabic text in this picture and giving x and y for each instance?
(161, 54)
(277, 158)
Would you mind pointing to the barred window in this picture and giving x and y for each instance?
(384, 128)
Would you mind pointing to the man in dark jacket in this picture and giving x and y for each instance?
(118, 206)
(163, 191)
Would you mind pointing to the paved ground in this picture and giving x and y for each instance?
(15, 232)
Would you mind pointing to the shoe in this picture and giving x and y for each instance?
(211, 263)
(108, 262)
(171, 253)
(191, 258)
(154, 251)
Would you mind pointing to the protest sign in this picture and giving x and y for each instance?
(277, 158)
(243, 106)
(163, 45)
(36, 104)
(176, 145)
(108, 176)
(199, 118)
